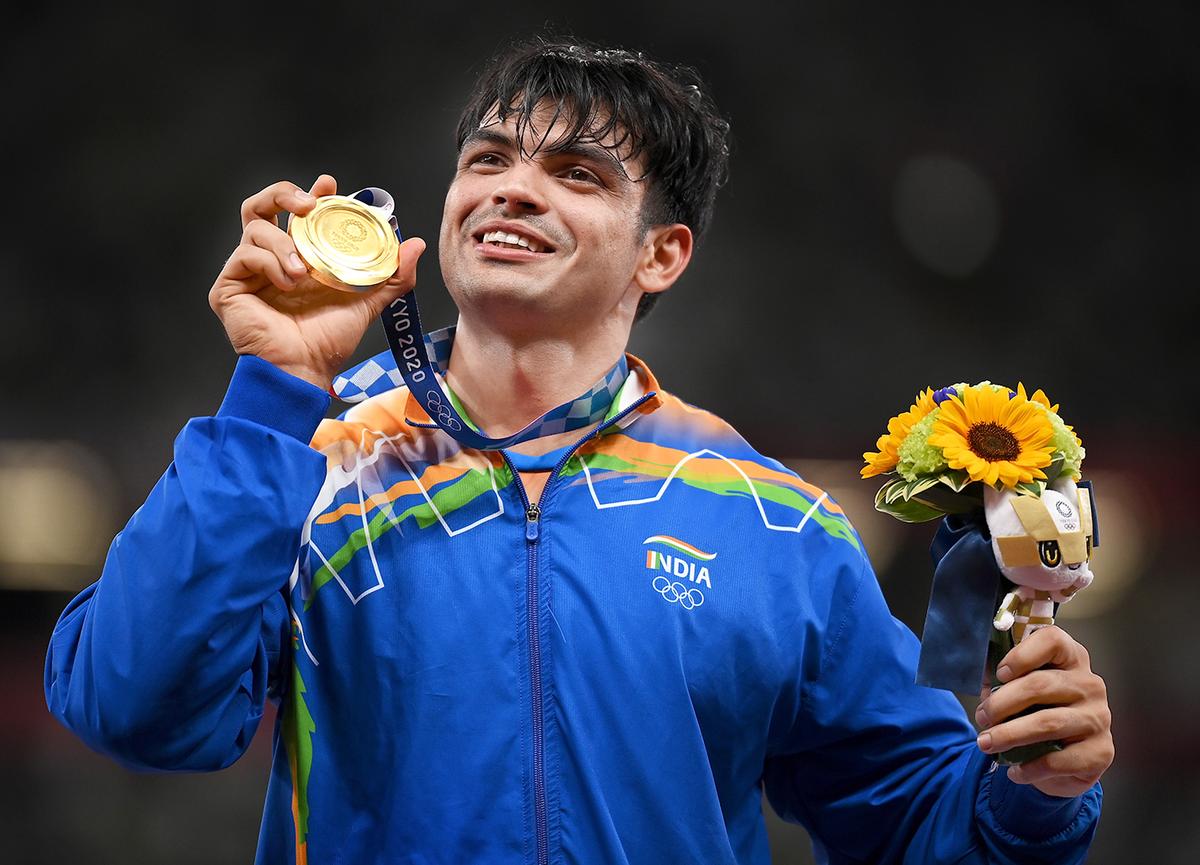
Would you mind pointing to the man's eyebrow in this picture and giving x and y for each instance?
(486, 136)
(578, 149)
(595, 153)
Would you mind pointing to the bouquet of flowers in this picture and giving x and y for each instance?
(1003, 471)
(953, 442)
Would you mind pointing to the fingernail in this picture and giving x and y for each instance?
(981, 716)
(1004, 673)
(303, 196)
(295, 263)
(984, 742)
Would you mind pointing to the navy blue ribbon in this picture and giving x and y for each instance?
(967, 587)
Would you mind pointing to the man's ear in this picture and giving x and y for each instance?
(665, 254)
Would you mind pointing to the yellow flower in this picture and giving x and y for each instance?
(883, 461)
(1039, 396)
(898, 427)
(995, 438)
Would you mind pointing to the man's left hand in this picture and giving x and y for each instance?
(1050, 669)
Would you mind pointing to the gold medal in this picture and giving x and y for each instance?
(346, 244)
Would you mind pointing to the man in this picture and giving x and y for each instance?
(599, 645)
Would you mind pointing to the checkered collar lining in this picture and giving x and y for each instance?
(379, 374)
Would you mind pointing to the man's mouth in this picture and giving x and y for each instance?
(512, 240)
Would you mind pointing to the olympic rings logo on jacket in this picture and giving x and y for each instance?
(678, 593)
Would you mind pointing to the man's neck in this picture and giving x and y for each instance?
(504, 382)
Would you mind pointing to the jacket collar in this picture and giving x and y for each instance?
(640, 383)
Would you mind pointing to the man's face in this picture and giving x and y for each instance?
(576, 214)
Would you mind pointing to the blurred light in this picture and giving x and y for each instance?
(1126, 526)
(946, 214)
(56, 515)
(881, 534)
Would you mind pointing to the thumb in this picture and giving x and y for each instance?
(403, 280)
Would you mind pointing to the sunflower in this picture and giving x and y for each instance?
(898, 428)
(1039, 396)
(1067, 444)
(994, 436)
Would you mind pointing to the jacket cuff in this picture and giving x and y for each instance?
(264, 394)
(1027, 812)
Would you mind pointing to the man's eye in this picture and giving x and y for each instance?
(486, 159)
(581, 175)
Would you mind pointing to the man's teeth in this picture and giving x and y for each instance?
(504, 238)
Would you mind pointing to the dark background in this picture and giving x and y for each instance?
(920, 194)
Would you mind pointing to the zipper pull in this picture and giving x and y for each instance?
(531, 522)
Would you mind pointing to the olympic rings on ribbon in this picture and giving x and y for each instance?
(439, 410)
(678, 593)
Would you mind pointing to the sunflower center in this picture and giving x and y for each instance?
(993, 442)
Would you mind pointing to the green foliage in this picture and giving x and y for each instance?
(905, 510)
(917, 457)
(1066, 447)
(928, 498)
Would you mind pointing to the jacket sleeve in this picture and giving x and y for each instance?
(166, 661)
(879, 769)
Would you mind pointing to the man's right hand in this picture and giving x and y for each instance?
(270, 306)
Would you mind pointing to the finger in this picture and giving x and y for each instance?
(984, 693)
(1050, 646)
(249, 269)
(407, 257)
(270, 237)
(1045, 725)
(405, 277)
(1048, 687)
(275, 199)
(1077, 762)
(1068, 772)
(1065, 786)
(324, 185)
(1017, 776)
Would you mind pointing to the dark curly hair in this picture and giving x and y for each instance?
(662, 113)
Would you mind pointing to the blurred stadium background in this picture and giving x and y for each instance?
(921, 193)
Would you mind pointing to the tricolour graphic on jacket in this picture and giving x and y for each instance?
(680, 572)
(682, 562)
(381, 478)
(784, 502)
(398, 483)
(298, 729)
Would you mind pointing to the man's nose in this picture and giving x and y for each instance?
(519, 190)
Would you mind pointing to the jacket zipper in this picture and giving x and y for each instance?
(533, 523)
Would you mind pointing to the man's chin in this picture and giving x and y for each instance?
(496, 297)
(518, 311)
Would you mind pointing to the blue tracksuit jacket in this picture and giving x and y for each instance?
(612, 675)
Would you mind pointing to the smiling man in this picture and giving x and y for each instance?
(600, 644)
(550, 248)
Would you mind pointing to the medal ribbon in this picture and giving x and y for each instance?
(419, 361)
